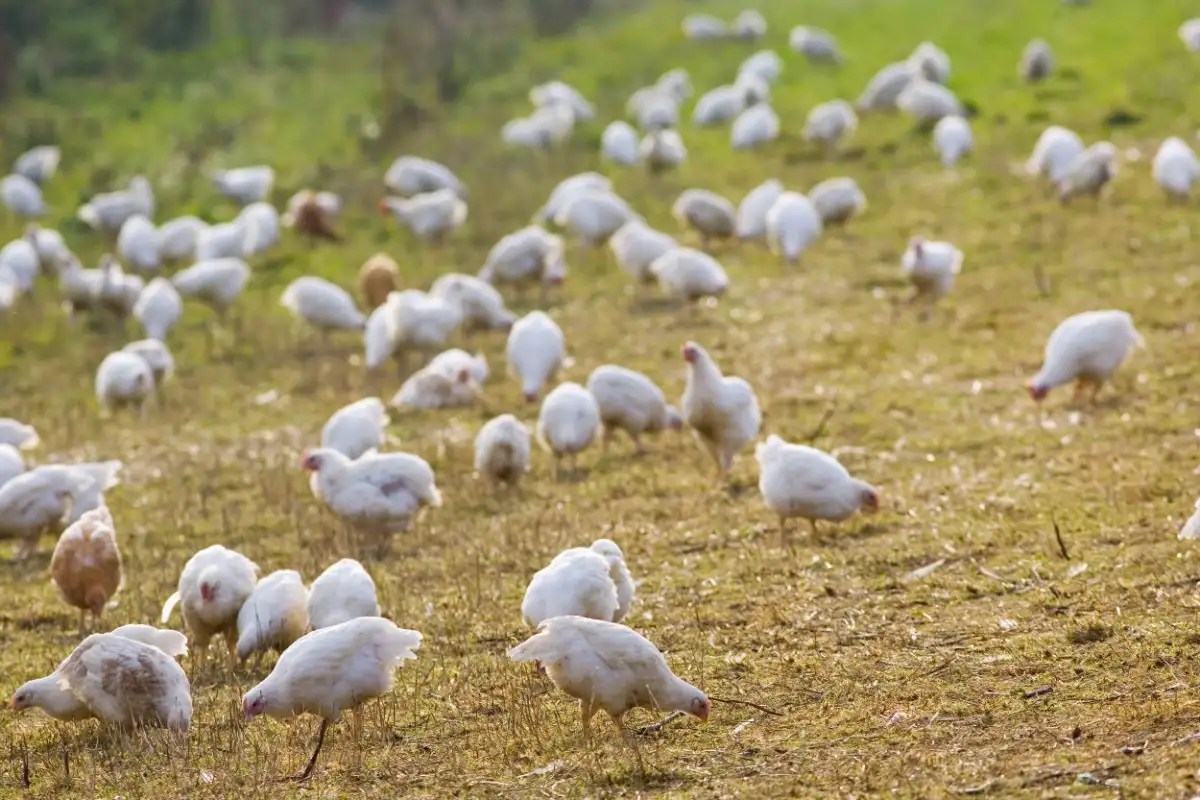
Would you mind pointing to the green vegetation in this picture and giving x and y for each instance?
(1019, 667)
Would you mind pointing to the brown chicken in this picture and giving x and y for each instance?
(379, 277)
(314, 214)
(86, 566)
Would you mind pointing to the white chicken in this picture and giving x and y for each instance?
(931, 62)
(594, 216)
(274, 615)
(544, 128)
(619, 144)
(609, 667)
(245, 185)
(722, 412)
(754, 127)
(931, 267)
(157, 357)
(213, 586)
(829, 123)
(22, 196)
(119, 291)
(567, 189)
(379, 344)
(377, 493)
(1086, 348)
(52, 250)
(636, 246)
(343, 592)
(117, 680)
(107, 212)
(1056, 148)
(720, 105)
(502, 449)
(557, 93)
(435, 387)
(927, 102)
(411, 175)
(480, 305)
(429, 216)
(749, 26)
(94, 480)
(18, 434)
(324, 305)
(816, 45)
(158, 308)
(1037, 62)
(837, 200)
(173, 643)
(41, 500)
(455, 361)
(689, 275)
(124, 379)
(765, 65)
(885, 87)
(420, 321)
(657, 110)
(631, 402)
(590, 582)
(568, 423)
(528, 255)
(217, 283)
(1088, 172)
(662, 149)
(1191, 527)
(800, 481)
(1175, 168)
(707, 213)
(535, 351)
(793, 224)
(11, 463)
(261, 227)
(952, 138)
(138, 244)
(356, 428)
(331, 670)
(21, 257)
(704, 27)
(38, 163)
(178, 238)
(752, 211)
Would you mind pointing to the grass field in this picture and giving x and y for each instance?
(1024, 665)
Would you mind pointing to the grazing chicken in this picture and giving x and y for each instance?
(22, 196)
(21, 258)
(1176, 168)
(1037, 62)
(480, 305)
(223, 240)
(178, 238)
(331, 670)
(557, 93)
(837, 200)
(420, 321)
(567, 189)
(138, 245)
(590, 582)
(157, 357)
(356, 428)
(18, 434)
(800, 481)
(1086, 348)
(409, 176)
(952, 138)
(217, 283)
(107, 212)
(884, 88)
(719, 106)
(502, 449)
(829, 123)
(722, 412)
(703, 27)
(535, 351)
(931, 267)
(274, 615)
(52, 251)
(213, 586)
(86, 565)
(377, 493)
(611, 668)
(11, 463)
(690, 275)
(379, 343)
(930, 62)
(434, 387)
(261, 224)
(752, 211)
(707, 213)
(544, 128)
(568, 422)
(1088, 172)
(245, 185)
(378, 277)
(38, 163)
(314, 214)
(158, 308)
(793, 223)
(124, 379)
(619, 144)
(754, 127)
(37, 501)
(119, 291)
(816, 45)
(594, 216)
(662, 149)
(324, 305)
(115, 679)
(455, 361)
(630, 402)
(93, 480)
(428, 216)
(528, 255)
(636, 246)
(765, 65)
(927, 102)
(173, 643)
(1054, 153)
(343, 592)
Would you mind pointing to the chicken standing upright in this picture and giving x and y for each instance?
(378, 277)
(356, 428)
(590, 582)
(1086, 348)
(158, 308)
(331, 670)
(568, 422)
(343, 592)
(213, 586)
(722, 412)
(800, 481)
(931, 267)
(86, 565)
(274, 615)
(631, 402)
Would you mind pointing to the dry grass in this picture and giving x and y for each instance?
(1024, 665)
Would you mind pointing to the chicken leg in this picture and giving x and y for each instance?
(312, 762)
(631, 740)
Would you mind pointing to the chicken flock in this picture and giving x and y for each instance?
(336, 649)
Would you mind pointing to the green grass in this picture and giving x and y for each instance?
(886, 686)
